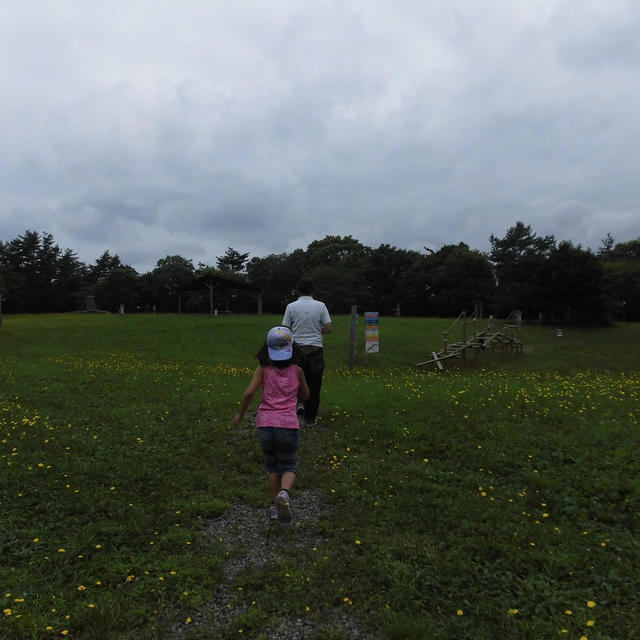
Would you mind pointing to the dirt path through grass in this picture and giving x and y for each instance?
(253, 543)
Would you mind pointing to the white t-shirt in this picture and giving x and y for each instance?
(306, 317)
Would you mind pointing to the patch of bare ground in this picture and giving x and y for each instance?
(253, 542)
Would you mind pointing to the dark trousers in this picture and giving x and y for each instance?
(312, 363)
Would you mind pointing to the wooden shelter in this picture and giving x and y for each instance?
(214, 282)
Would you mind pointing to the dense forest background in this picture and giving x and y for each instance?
(547, 280)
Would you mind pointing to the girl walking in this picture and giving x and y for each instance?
(282, 383)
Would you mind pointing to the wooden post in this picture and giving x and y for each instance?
(352, 336)
(259, 296)
(211, 287)
(464, 335)
(1, 299)
(444, 341)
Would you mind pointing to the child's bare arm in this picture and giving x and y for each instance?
(248, 394)
(303, 390)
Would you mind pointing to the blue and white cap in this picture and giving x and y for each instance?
(280, 343)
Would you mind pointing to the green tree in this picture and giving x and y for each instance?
(519, 260)
(119, 287)
(608, 244)
(337, 265)
(102, 267)
(621, 265)
(449, 281)
(232, 261)
(70, 281)
(386, 285)
(38, 276)
(29, 264)
(460, 277)
(170, 273)
(277, 275)
(576, 289)
(21, 272)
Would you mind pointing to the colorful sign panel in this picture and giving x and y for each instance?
(371, 343)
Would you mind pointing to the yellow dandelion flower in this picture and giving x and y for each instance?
(591, 604)
(459, 612)
(590, 623)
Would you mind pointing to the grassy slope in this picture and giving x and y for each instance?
(506, 485)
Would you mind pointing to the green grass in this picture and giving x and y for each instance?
(506, 483)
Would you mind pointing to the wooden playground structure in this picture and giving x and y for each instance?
(491, 338)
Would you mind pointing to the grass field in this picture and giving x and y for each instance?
(499, 499)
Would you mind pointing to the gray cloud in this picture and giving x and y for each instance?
(153, 129)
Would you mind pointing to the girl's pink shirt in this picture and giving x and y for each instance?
(279, 398)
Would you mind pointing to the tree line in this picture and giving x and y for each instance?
(545, 279)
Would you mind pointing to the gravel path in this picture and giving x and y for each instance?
(252, 542)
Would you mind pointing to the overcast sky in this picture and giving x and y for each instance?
(160, 128)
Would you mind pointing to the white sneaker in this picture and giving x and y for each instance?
(282, 506)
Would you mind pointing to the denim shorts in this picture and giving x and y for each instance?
(280, 449)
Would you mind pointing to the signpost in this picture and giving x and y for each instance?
(352, 336)
(371, 342)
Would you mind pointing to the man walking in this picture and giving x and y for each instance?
(308, 319)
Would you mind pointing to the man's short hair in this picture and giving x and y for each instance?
(305, 286)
